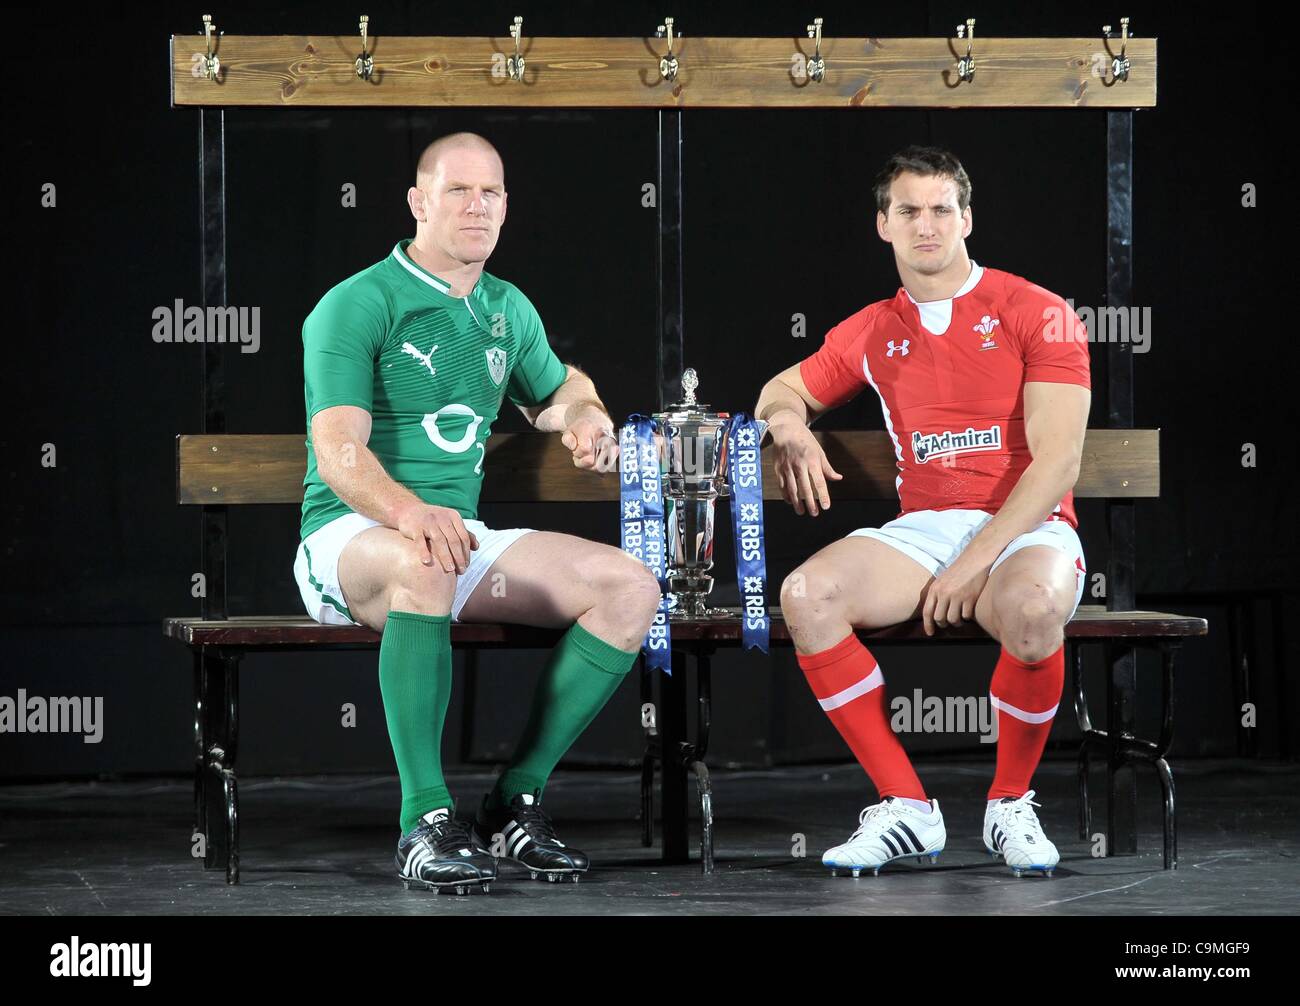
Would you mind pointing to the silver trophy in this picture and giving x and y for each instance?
(693, 462)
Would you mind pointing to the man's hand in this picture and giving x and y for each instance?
(953, 593)
(590, 436)
(801, 465)
(438, 533)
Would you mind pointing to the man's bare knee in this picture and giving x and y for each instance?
(813, 605)
(642, 592)
(810, 593)
(625, 601)
(424, 590)
(1031, 621)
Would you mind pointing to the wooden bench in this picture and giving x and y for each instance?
(217, 471)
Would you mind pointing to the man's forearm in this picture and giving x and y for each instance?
(359, 480)
(576, 395)
(779, 403)
(1040, 488)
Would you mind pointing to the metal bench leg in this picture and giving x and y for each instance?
(1085, 810)
(705, 790)
(1121, 774)
(1085, 728)
(200, 750)
(648, 756)
(1171, 822)
(220, 793)
(1168, 656)
(672, 777)
(648, 798)
(703, 721)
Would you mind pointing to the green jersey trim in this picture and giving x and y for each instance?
(418, 271)
(404, 259)
(338, 606)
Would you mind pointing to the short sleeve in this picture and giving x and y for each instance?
(1054, 342)
(341, 340)
(833, 374)
(537, 371)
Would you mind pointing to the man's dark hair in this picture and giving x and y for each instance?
(925, 161)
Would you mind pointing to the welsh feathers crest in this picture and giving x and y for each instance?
(986, 327)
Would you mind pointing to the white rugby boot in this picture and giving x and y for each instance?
(887, 831)
(1012, 831)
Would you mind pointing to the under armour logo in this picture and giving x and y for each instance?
(901, 350)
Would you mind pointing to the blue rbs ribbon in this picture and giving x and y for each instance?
(642, 525)
(746, 479)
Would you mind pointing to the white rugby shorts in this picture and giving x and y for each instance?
(316, 567)
(934, 538)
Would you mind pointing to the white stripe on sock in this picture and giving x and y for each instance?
(871, 682)
(1020, 714)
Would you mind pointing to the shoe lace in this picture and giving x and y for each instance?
(878, 815)
(533, 820)
(449, 835)
(1019, 813)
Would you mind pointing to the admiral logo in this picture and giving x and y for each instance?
(967, 441)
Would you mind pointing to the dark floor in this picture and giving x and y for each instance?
(324, 846)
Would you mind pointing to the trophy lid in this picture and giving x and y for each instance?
(688, 409)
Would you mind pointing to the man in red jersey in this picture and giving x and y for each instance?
(983, 381)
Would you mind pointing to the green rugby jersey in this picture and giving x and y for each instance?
(430, 368)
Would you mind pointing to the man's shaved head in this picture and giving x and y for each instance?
(458, 201)
(427, 166)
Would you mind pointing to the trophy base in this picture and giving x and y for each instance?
(693, 607)
(703, 615)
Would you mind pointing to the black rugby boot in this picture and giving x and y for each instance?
(529, 839)
(443, 854)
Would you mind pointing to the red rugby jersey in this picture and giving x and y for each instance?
(951, 376)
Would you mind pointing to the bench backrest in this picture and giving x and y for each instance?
(535, 468)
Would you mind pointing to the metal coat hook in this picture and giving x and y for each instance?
(212, 63)
(966, 65)
(667, 65)
(515, 63)
(1119, 65)
(816, 65)
(365, 62)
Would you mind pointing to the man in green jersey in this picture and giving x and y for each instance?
(406, 366)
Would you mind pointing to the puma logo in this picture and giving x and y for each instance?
(425, 358)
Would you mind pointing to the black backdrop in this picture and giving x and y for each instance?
(778, 222)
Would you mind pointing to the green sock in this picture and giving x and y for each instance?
(415, 681)
(582, 674)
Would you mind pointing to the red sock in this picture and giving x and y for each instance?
(1026, 696)
(847, 682)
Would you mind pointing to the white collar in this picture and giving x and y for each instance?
(976, 271)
